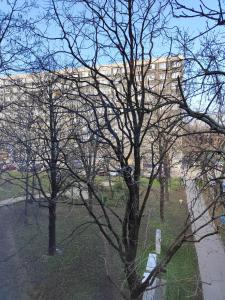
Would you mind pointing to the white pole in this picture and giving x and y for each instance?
(158, 241)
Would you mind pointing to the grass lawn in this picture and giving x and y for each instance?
(9, 186)
(79, 272)
(12, 184)
(76, 273)
(182, 275)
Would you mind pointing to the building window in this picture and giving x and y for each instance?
(103, 81)
(150, 85)
(161, 86)
(106, 71)
(7, 90)
(175, 75)
(176, 64)
(162, 76)
(115, 71)
(173, 86)
(152, 66)
(138, 76)
(151, 76)
(85, 74)
(162, 66)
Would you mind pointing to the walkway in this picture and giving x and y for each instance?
(13, 200)
(10, 201)
(73, 194)
(210, 250)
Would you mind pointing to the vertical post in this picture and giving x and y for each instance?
(158, 241)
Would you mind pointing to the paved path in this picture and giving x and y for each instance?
(210, 250)
(73, 194)
(10, 201)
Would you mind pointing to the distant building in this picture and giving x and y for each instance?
(158, 77)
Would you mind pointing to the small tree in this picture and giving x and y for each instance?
(42, 133)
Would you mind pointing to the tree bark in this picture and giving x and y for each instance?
(52, 229)
(167, 177)
(161, 193)
(90, 198)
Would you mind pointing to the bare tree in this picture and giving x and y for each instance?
(202, 88)
(42, 132)
(52, 135)
(12, 23)
(202, 95)
(124, 102)
(84, 153)
(110, 49)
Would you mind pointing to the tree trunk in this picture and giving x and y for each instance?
(110, 187)
(52, 229)
(133, 277)
(162, 201)
(161, 193)
(54, 180)
(26, 196)
(167, 193)
(90, 198)
(133, 280)
(167, 177)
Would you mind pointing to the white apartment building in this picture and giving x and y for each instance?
(105, 84)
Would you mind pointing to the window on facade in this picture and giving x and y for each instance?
(150, 85)
(104, 89)
(7, 90)
(115, 71)
(175, 75)
(85, 74)
(161, 86)
(162, 76)
(103, 81)
(138, 76)
(162, 66)
(151, 76)
(173, 86)
(176, 64)
(106, 71)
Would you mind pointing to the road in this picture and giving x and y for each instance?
(210, 250)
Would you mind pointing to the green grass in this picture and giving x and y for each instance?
(81, 270)
(174, 183)
(182, 273)
(12, 184)
(10, 187)
(77, 274)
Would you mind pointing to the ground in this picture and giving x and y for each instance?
(210, 251)
(219, 210)
(79, 271)
(75, 274)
